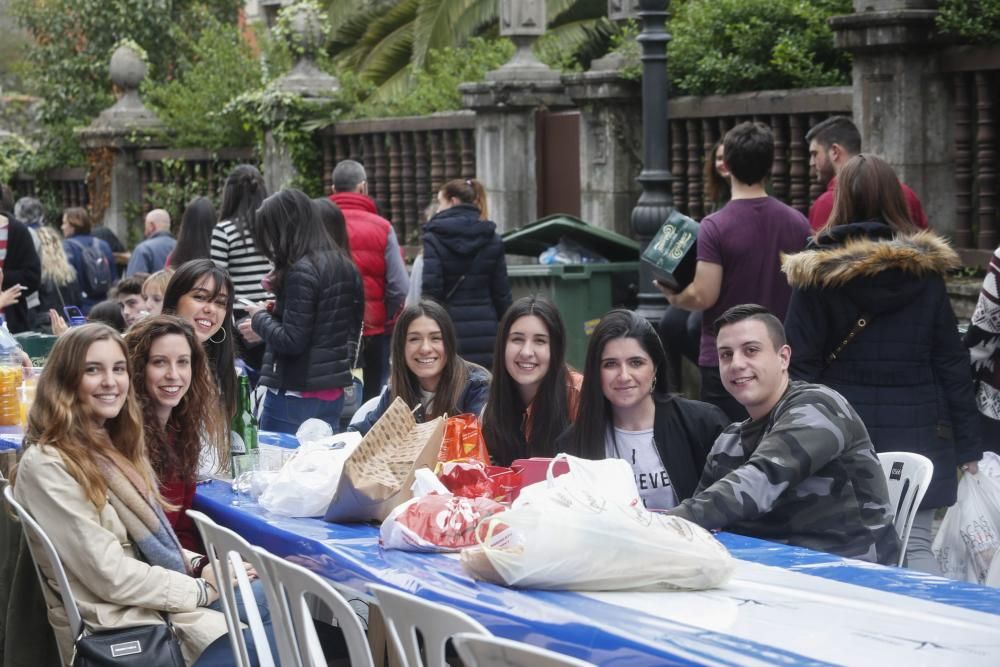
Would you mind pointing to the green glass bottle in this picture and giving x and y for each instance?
(244, 427)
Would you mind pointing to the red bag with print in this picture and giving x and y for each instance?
(472, 479)
(436, 522)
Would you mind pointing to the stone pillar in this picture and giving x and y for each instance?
(112, 140)
(902, 101)
(505, 106)
(305, 81)
(610, 147)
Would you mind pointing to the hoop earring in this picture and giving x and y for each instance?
(219, 342)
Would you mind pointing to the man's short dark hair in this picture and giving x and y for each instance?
(348, 175)
(751, 311)
(748, 150)
(839, 130)
(131, 284)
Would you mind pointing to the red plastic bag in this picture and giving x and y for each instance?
(463, 439)
(436, 522)
(472, 479)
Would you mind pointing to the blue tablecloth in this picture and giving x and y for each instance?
(10, 437)
(608, 630)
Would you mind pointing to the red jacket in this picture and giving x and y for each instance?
(368, 233)
(823, 206)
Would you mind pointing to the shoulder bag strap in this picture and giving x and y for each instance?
(461, 279)
(863, 321)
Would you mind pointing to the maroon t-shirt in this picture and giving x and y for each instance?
(746, 238)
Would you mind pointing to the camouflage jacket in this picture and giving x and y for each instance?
(806, 475)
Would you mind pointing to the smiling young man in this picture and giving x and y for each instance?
(802, 469)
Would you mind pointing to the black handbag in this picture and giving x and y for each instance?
(140, 646)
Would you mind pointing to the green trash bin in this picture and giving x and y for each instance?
(36, 345)
(582, 292)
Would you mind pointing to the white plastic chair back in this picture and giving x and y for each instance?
(364, 409)
(226, 552)
(907, 475)
(33, 530)
(406, 614)
(993, 574)
(290, 584)
(487, 651)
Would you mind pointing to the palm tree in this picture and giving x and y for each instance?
(382, 40)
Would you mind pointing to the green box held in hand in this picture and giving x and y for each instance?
(671, 254)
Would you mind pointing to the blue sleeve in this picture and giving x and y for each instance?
(112, 265)
(138, 262)
(500, 287)
(433, 274)
(474, 397)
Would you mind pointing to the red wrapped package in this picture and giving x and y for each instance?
(436, 523)
(463, 440)
(472, 479)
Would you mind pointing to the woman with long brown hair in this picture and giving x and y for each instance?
(427, 372)
(183, 425)
(84, 476)
(870, 317)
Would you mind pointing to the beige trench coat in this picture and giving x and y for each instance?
(113, 588)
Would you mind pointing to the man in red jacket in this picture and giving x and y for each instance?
(379, 259)
(832, 143)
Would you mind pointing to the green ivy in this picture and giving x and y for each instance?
(975, 21)
(15, 152)
(730, 46)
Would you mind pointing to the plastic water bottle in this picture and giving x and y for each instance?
(10, 377)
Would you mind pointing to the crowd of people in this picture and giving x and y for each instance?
(819, 346)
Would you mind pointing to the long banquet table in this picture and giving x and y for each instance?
(784, 605)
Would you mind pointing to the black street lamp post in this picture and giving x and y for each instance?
(656, 201)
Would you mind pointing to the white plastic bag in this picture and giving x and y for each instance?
(306, 483)
(970, 533)
(587, 530)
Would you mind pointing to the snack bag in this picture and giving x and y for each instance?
(436, 522)
(463, 440)
(472, 479)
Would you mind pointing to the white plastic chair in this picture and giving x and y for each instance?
(406, 614)
(488, 651)
(290, 584)
(226, 552)
(907, 475)
(35, 534)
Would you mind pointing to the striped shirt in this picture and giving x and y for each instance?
(237, 254)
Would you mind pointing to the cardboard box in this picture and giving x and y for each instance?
(672, 253)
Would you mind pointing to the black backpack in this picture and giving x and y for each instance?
(96, 270)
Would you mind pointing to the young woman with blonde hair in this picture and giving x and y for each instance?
(84, 476)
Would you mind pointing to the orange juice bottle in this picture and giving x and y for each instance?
(10, 378)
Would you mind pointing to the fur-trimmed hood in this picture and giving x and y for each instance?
(920, 255)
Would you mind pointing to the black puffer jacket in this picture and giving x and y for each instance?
(457, 243)
(312, 335)
(906, 373)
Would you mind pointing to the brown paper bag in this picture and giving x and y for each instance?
(378, 474)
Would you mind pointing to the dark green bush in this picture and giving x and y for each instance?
(730, 46)
(973, 20)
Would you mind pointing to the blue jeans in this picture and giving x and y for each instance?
(285, 414)
(220, 653)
